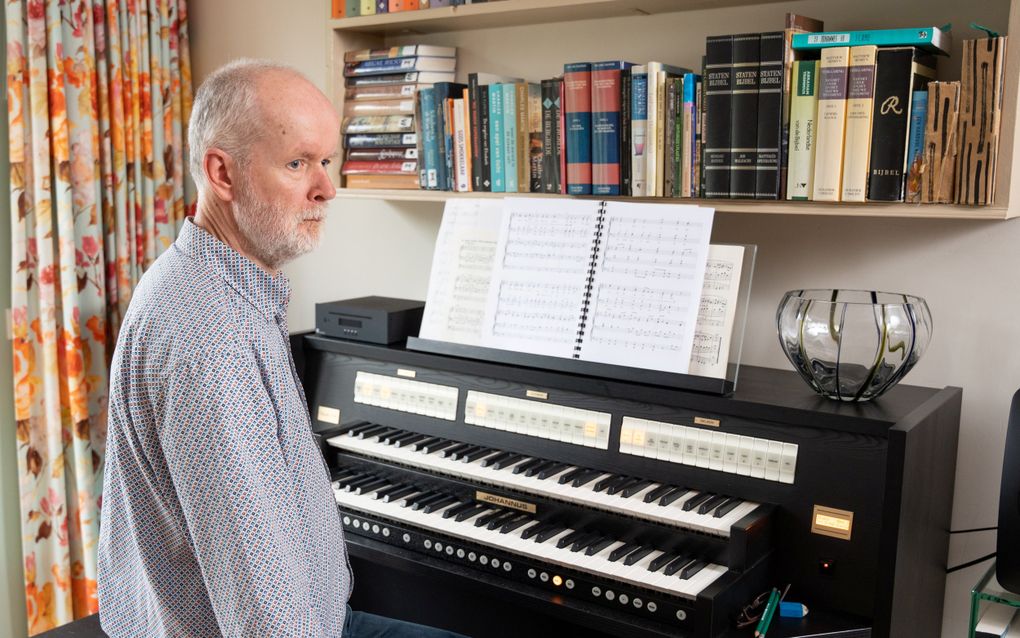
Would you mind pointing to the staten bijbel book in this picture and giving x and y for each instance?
(610, 282)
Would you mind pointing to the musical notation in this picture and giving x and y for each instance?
(717, 311)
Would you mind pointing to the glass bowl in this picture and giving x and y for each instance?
(852, 345)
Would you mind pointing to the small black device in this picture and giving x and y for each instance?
(1007, 558)
(372, 319)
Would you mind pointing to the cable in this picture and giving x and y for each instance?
(973, 562)
(975, 529)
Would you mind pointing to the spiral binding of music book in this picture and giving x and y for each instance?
(592, 268)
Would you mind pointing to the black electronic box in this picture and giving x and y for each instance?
(373, 319)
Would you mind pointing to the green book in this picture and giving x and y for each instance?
(803, 126)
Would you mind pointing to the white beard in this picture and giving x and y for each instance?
(272, 233)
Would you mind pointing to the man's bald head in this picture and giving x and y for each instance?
(230, 111)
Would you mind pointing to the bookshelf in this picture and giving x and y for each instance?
(533, 38)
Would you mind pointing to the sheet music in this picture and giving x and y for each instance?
(647, 286)
(538, 285)
(717, 311)
(462, 270)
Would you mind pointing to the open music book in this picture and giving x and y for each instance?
(624, 283)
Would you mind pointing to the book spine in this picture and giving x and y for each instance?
(937, 180)
(353, 8)
(831, 124)
(744, 115)
(605, 127)
(510, 174)
(894, 80)
(698, 170)
(638, 130)
(718, 87)
(404, 106)
(915, 142)
(380, 92)
(577, 112)
(419, 147)
(384, 167)
(379, 124)
(803, 127)
(561, 143)
(382, 6)
(460, 153)
(670, 145)
(625, 122)
(980, 114)
(687, 140)
(429, 136)
(483, 147)
(770, 115)
(593, 262)
(476, 157)
(929, 38)
(523, 142)
(535, 137)
(380, 140)
(656, 155)
(496, 154)
(449, 149)
(860, 98)
(368, 7)
(549, 132)
(339, 9)
(378, 154)
(442, 92)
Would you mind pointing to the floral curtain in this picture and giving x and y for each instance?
(99, 92)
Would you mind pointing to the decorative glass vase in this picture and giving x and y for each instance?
(852, 345)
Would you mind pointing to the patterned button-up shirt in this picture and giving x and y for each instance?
(218, 517)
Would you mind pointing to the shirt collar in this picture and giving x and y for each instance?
(266, 293)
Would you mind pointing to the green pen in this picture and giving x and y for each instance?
(766, 616)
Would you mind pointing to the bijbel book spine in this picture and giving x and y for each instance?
(718, 87)
(832, 72)
(744, 115)
(900, 71)
(593, 262)
(770, 115)
(860, 98)
(577, 112)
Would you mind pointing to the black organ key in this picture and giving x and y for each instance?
(500, 521)
(608, 482)
(552, 470)
(637, 555)
(372, 431)
(548, 533)
(534, 529)
(431, 497)
(383, 493)
(659, 562)
(453, 451)
(484, 519)
(631, 490)
(389, 437)
(496, 458)
(692, 569)
(535, 469)
(622, 551)
(696, 500)
(515, 523)
(569, 539)
(598, 546)
(584, 542)
(419, 446)
(586, 478)
(477, 509)
(672, 496)
(622, 485)
(573, 474)
(712, 503)
(477, 454)
(727, 507)
(438, 505)
(453, 511)
(658, 493)
(371, 486)
(437, 446)
(675, 566)
(508, 461)
(396, 495)
(358, 428)
(358, 482)
(527, 465)
(410, 440)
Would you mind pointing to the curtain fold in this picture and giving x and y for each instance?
(99, 94)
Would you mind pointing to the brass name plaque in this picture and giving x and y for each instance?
(829, 521)
(537, 394)
(410, 374)
(506, 502)
(700, 420)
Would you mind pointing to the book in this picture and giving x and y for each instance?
(718, 86)
(932, 39)
(829, 137)
(577, 113)
(480, 169)
(378, 124)
(483, 145)
(382, 6)
(638, 128)
(380, 140)
(690, 124)
(412, 77)
(981, 91)
(529, 129)
(770, 114)
(534, 137)
(795, 23)
(382, 181)
(900, 71)
(403, 5)
(444, 170)
(496, 152)
(562, 143)
(404, 106)
(915, 143)
(939, 173)
(410, 50)
(606, 126)
(429, 135)
(384, 66)
(380, 167)
(565, 279)
(380, 92)
(655, 140)
(803, 125)
(674, 89)
(744, 115)
(625, 117)
(551, 135)
(510, 152)
(376, 154)
(860, 98)
(352, 8)
(338, 9)
(368, 7)
(462, 168)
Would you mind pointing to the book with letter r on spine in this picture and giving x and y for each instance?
(621, 283)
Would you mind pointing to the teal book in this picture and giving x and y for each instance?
(496, 151)
(510, 137)
(430, 144)
(915, 143)
(931, 39)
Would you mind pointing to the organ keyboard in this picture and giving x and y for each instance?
(628, 509)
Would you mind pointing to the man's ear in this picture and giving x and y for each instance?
(219, 169)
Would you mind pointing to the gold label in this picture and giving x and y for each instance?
(410, 374)
(537, 394)
(700, 420)
(329, 415)
(829, 521)
(506, 502)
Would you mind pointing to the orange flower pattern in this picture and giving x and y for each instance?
(99, 95)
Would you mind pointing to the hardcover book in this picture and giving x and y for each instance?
(744, 115)
(689, 153)
(931, 39)
(380, 140)
(385, 66)
(606, 126)
(480, 168)
(404, 106)
(413, 77)
(795, 23)
(368, 7)
(429, 135)
(379, 124)
(803, 126)
(639, 128)
(577, 113)
(655, 140)
(900, 71)
(380, 92)
(353, 8)
(445, 91)
(915, 142)
(380, 167)
(382, 181)
(410, 50)
(770, 114)
(497, 154)
(534, 131)
(510, 138)
(832, 76)
(718, 86)
(860, 98)
(551, 135)
(377, 154)
(483, 145)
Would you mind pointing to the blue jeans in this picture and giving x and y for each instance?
(360, 624)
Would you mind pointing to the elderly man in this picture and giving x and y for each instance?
(218, 517)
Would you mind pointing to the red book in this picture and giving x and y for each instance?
(403, 5)
(577, 112)
(381, 167)
(339, 8)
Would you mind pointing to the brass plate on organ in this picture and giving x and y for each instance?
(700, 420)
(328, 415)
(829, 521)
(536, 394)
(503, 501)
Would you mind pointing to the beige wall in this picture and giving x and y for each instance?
(966, 270)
